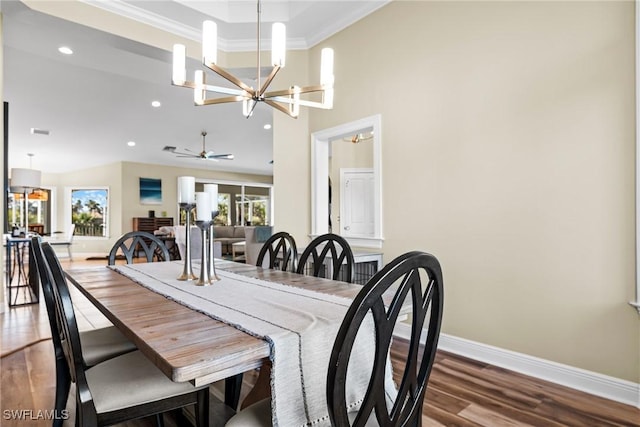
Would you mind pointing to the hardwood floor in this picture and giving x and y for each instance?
(461, 392)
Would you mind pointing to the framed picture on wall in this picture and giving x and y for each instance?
(150, 191)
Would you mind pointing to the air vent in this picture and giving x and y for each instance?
(169, 148)
(37, 131)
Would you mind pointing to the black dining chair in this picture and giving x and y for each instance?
(329, 256)
(131, 244)
(123, 388)
(98, 345)
(279, 252)
(412, 283)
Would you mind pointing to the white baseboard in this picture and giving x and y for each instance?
(615, 389)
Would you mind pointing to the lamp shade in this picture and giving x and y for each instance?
(25, 178)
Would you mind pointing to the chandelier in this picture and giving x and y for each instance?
(287, 101)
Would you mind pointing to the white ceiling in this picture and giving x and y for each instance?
(94, 101)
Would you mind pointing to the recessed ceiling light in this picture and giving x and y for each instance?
(267, 126)
(66, 50)
(155, 104)
(131, 143)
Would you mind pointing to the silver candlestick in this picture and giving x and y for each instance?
(187, 271)
(213, 277)
(204, 265)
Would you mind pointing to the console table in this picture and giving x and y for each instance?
(21, 272)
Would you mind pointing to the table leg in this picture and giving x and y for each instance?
(232, 388)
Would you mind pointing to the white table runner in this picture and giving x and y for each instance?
(300, 325)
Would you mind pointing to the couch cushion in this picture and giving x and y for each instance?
(238, 232)
(223, 230)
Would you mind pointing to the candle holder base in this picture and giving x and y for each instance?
(213, 277)
(204, 279)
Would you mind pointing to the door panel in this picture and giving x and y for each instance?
(356, 203)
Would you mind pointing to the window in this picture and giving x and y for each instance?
(90, 211)
(223, 209)
(242, 204)
(254, 209)
(39, 209)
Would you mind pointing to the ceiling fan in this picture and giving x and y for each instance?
(204, 154)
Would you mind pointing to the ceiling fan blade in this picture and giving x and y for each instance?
(203, 155)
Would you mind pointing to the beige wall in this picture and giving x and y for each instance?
(508, 152)
(291, 156)
(124, 198)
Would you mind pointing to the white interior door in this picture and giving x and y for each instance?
(356, 203)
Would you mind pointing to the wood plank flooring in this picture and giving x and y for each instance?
(461, 392)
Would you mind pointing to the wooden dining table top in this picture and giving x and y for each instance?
(184, 344)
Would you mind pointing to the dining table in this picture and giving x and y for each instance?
(187, 343)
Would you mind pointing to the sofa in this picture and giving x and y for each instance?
(228, 235)
(225, 236)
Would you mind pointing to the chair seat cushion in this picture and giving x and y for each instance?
(130, 380)
(259, 414)
(102, 344)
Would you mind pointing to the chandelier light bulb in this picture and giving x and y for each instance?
(199, 92)
(326, 66)
(209, 42)
(179, 76)
(278, 44)
(294, 106)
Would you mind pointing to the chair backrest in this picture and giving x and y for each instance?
(132, 243)
(328, 252)
(70, 233)
(47, 291)
(68, 326)
(279, 252)
(416, 278)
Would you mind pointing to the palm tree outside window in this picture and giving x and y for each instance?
(89, 211)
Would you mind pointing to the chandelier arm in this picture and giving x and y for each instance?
(228, 91)
(230, 77)
(217, 89)
(302, 102)
(267, 82)
(279, 107)
(223, 100)
(296, 90)
(253, 107)
(190, 85)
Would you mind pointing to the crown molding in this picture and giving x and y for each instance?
(155, 20)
